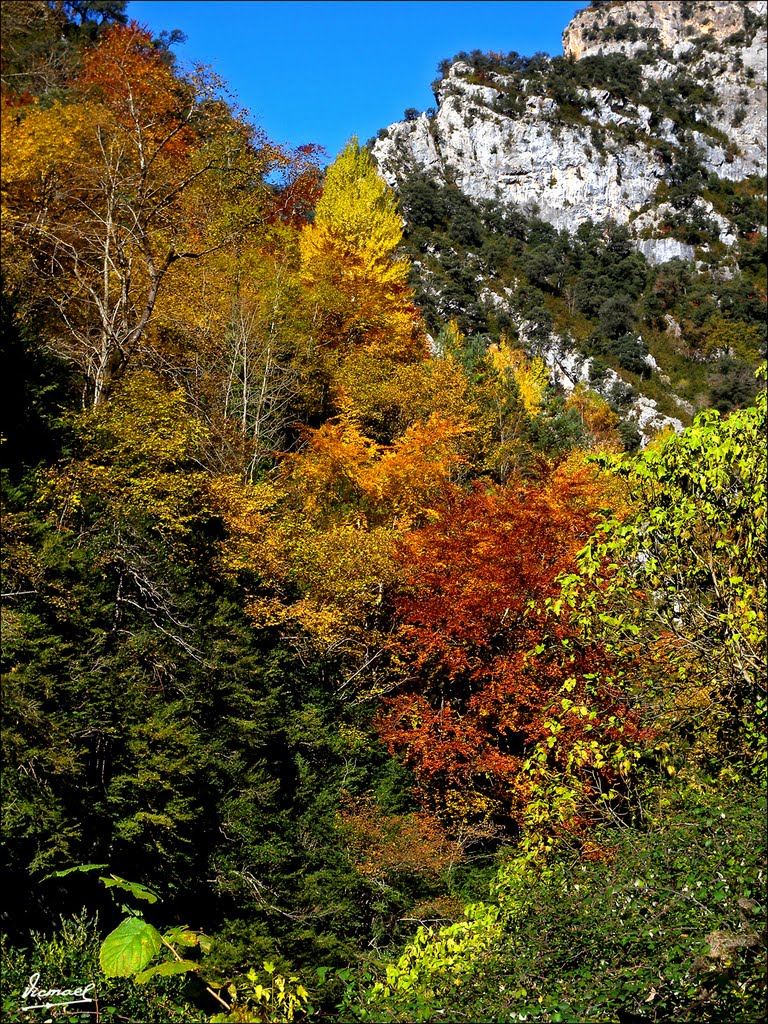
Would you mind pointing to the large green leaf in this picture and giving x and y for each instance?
(77, 867)
(181, 935)
(129, 948)
(136, 889)
(164, 970)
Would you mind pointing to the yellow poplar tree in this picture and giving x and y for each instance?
(349, 256)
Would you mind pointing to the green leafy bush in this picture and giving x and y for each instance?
(663, 920)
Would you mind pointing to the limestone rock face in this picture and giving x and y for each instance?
(734, 61)
(611, 160)
(670, 23)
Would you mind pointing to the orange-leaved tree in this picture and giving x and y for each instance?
(503, 719)
(316, 539)
(386, 845)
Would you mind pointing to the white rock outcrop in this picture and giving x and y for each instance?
(609, 163)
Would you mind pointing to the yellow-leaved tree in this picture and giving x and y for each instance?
(530, 374)
(105, 192)
(509, 391)
(349, 257)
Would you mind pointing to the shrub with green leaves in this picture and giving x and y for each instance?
(678, 586)
(660, 921)
(68, 957)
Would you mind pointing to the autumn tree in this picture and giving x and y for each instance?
(530, 375)
(682, 579)
(349, 256)
(492, 701)
(387, 845)
(315, 540)
(725, 336)
(262, 383)
(300, 185)
(105, 194)
(600, 421)
(511, 392)
(507, 388)
(233, 332)
(387, 396)
(42, 40)
(233, 329)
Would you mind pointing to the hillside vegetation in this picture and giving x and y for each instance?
(353, 670)
(606, 208)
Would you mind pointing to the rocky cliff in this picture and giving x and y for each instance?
(651, 97)
(666, 24)
(606, 208)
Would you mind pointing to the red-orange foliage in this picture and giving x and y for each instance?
(484, 665)
(387, 844)
(128, 74)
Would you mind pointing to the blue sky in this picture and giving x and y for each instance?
(321, 71)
